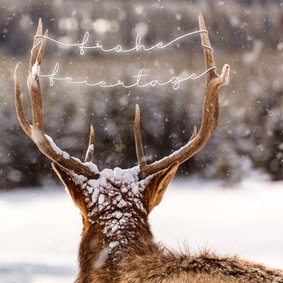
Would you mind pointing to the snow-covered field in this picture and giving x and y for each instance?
(40, 229)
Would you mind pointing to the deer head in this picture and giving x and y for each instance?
(115, 204)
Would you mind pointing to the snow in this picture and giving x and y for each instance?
(38, 138)
(113, 244)
(101, 199)
(40, 229)
(108, 191)
(35, 70)
(102, 192)
(102, 257)
(95, 193)
(91, 165)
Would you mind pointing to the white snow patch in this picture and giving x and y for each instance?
(107, 173)
(113, 244)
(35, 70)
(129, 177)
(90, 189)
(101, 199)
(122, 203)
(118, 171)
(95, 195)
(124, 190)
(115, 227)
(92, 167)
(103, 255)
(64, 154)
(117, 214)
(135, 189)
(108, 199)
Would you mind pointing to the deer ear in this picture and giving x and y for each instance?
(73, 188)
(158, 184)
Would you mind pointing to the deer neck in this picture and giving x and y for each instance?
(117, 221)
(101, 253)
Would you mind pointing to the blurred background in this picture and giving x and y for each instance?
(246, 34)
(40, 228)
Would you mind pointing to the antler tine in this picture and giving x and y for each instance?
(138, 140)
(35, 47)
(210, 110)
(90, 149)
(194, 134)
(223, 79)
(207, 49)
(36, 54)
(33, 83)
(19, 103)
(36, 131)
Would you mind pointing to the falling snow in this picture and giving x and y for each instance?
(245, 34)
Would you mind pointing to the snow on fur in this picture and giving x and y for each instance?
(108, 199)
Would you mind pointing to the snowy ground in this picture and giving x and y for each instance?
(40, 230)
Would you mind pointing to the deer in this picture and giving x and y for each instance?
(117, 244)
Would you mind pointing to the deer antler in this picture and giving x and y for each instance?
(210, 114)
(36, 130)
(89, 153)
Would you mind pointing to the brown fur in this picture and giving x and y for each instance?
(167, 266)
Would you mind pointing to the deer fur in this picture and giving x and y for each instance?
(135, 257)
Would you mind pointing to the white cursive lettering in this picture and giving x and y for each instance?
(138, 82)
